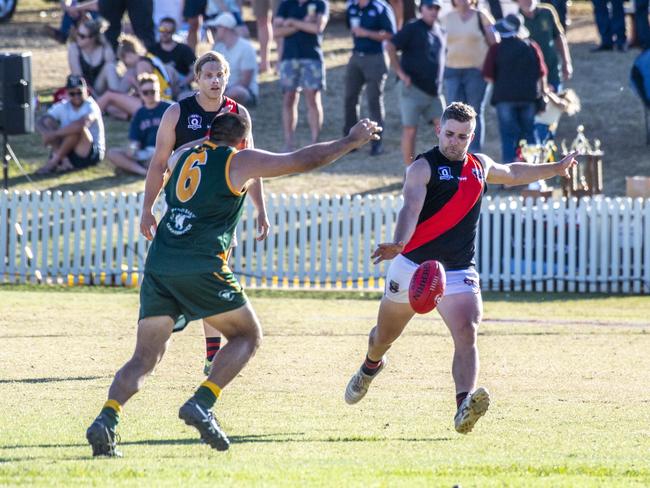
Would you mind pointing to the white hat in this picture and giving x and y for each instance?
(225, 19)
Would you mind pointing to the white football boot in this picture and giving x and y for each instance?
(473, 408)
(359, 384)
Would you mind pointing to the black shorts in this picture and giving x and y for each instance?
(80, 162)
(194, 8)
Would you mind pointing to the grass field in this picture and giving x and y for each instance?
(568, 379)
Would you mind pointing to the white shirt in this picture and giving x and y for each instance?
(66, 113)
(241, 56)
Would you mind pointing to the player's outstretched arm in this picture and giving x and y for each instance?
(524, 173)
(415, 190)
(165, 140)
(253, 163)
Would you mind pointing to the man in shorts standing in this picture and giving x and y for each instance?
(301, 23)
(186, 270)
(439, 220)
(422, 43)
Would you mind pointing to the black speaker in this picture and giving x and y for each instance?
(16, 94)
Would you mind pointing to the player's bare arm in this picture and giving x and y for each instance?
(165, 140)
(256, 190)
(173, 159)
(414, 192)
(254, 163)
(524, 173)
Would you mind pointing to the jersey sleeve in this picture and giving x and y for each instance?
(486, 161)
(402, 39)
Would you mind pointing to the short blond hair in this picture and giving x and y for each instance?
(211, 57)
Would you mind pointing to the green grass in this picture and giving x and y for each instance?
(570, 406)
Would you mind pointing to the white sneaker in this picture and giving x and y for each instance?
(473, 408)
(359, 384)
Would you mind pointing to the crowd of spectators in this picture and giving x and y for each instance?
(519, 63)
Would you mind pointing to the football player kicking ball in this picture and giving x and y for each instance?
(186, 271)
(439, 219)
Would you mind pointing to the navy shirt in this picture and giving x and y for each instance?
(423, 54)
(145, 123)
(375, 16)
(302, 45)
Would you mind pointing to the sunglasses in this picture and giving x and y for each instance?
(83, 36)
(165, 30)
(75, 93)
(148, 93)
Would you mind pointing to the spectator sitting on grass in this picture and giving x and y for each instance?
(124, 105)
(74, 129)
(242, 59)
(142, 132)
(90, 56)
(180, 56)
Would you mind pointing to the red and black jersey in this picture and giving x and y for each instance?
(447, 225)
(194, 122)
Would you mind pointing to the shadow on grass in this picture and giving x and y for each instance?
(295, 437)
(52, 380)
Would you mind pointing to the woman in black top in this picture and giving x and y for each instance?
(91, 57)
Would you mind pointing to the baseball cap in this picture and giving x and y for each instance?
(225, 19)
(431, 3)
(510, 26)
(75, 81)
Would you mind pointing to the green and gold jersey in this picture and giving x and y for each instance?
(203, 210)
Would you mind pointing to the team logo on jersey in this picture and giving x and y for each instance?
(194, 122)
(393, 286)
(477, 174)
(444, 173)
(178, 222)
(227, 295)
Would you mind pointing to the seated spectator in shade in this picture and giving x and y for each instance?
(142, 132)
(90, 56)
(178, 55)
(124, 105)
(516, 68)
(74, 129)
(72, 11)
(240, 54)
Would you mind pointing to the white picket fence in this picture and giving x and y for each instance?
(587, 245)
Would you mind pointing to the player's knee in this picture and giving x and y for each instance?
(255, 337)
(143, 362)
(466, 334)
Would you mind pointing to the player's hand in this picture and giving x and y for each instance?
(263, 227)
(567, 71)
(364, 131)
(148, 225)
(566, 163)
(386, 251)
(406, 79)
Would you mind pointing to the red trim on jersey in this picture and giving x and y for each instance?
(469, 191)
(228, 106)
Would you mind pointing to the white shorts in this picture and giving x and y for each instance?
(398, 279)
